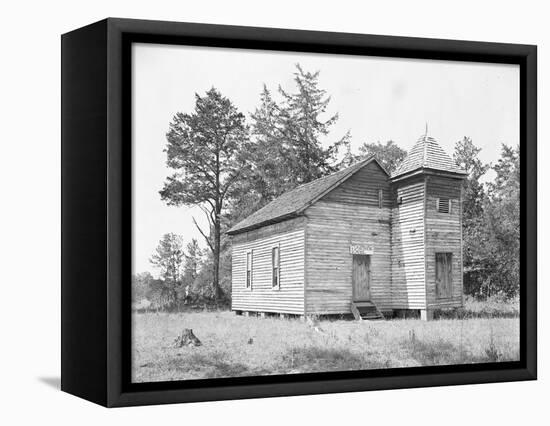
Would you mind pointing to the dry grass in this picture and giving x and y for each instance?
(286, 346)
(492, 308)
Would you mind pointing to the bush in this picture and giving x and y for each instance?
(491, 307)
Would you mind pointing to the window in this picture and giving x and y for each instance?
(275, 267)
(444, 205)
(249, 269)
(380, 198)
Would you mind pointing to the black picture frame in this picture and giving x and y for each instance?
(96, 202)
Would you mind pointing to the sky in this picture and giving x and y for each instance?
(377, 99)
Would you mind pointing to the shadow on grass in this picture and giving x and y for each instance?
(442, 352)
(485, 313)
(437, 353)
(219, 364)
(315, 359)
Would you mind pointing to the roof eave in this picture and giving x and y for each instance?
(278, 219)
(428, 171)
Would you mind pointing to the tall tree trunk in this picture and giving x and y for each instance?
(217, 245)
(217, 227)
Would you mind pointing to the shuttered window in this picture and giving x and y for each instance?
(276, 270)
(249, 269)
(444, 205)
(380, 198)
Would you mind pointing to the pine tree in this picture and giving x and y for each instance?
(207, 150)
(168, 259)
(466, 156)
(303, 127)
(474, 227)
(193, 258)
(503, 222)
(287, 145)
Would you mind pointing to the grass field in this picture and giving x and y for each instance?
(240, 346)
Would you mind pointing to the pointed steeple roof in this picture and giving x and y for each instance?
(427, 154)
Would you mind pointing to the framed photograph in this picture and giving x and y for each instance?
(255, 212)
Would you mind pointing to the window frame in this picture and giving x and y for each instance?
(380, 198)
(278, 247)
(248, 282)
(449, 205)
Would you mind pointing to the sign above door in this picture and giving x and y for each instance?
(361, 249)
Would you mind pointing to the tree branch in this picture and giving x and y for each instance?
(204, 235)
(208, 215)
(210, 202)
(231, 180)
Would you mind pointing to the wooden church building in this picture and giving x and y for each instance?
(358, 241)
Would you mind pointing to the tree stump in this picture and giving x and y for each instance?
(186, 338)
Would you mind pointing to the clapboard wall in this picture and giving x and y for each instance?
(262, 297)
(350, 214)
(444, 234)
(403, 228)
(408, 290)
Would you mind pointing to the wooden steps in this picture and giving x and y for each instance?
(365, 311)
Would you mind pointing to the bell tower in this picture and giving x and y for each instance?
(426, 230)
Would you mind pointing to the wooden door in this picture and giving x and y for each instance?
(443, 275)
(361, 277)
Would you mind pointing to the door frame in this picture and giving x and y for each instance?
(446, 273)
(368, 264)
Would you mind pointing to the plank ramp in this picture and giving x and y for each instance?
(365, 311)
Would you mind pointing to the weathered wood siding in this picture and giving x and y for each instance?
(362, 188)
(316, 266)
(289, 298)
(444, 234)
(348, 215)
(408, 239)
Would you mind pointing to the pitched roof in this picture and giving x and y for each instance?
(293, 202)
(427, 154)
